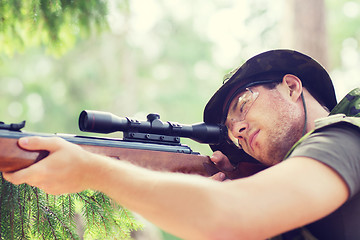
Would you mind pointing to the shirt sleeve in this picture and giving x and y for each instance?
(337, 146)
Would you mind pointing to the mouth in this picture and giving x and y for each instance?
(252, 139)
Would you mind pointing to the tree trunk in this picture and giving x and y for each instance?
(305, 28)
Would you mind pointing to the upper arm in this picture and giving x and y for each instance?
(289, 195)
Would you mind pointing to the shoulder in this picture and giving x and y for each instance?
(337, 120)
(336, 145)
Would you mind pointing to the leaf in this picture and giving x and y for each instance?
(28, 213)
(54, 24)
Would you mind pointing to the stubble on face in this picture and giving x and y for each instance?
(283, 128)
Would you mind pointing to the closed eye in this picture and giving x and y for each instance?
(242, 106)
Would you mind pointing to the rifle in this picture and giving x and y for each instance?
(151, 144)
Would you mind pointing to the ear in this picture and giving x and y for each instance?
(293, 86)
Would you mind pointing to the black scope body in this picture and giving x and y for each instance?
(105, 122)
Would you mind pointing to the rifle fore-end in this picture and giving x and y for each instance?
(13, 158)
(159, 161)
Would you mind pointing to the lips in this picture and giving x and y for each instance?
(252, 138)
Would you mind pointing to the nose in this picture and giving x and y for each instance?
(238, 129)
(241, 127)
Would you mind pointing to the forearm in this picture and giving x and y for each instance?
(175, 203)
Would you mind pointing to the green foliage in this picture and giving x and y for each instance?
(28, 213)
(55, 24)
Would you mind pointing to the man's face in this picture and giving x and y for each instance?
(265, 123)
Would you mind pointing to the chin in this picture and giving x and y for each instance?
(271, 159)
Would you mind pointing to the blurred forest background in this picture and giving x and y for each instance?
(136, 57)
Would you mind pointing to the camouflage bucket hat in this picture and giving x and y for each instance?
(259, 70)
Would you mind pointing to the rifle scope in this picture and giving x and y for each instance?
(105, 122)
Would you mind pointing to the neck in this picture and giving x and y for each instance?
(314, 111)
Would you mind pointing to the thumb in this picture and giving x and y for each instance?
(220, 176)
(221, 161)
(40, 143)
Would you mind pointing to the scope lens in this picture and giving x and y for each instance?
(83, 121)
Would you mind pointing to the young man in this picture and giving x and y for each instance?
(267, 104)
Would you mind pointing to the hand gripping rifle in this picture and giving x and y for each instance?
(151, 144)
